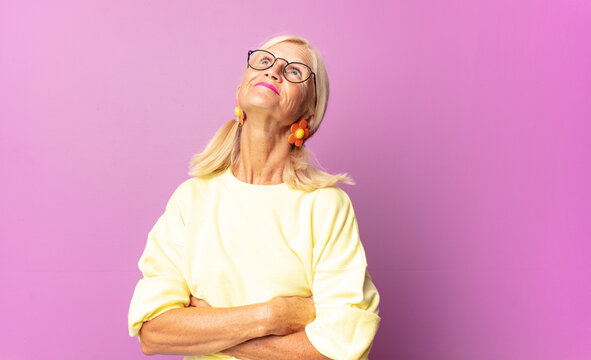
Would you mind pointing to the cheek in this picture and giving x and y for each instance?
(290, 106)
(295, 99)
(245, 86)
(246, 79)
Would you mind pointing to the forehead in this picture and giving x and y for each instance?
(291, 52)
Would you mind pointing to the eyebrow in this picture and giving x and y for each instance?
(289, 60)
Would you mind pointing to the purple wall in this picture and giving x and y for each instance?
(465, 125)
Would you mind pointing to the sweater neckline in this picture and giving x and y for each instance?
(229, 176)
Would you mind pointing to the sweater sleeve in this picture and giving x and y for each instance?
(163, 286)
(345, 297)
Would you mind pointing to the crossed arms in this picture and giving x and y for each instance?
(257, 331)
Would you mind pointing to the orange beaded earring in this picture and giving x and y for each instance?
(299, 132)
(239, 113)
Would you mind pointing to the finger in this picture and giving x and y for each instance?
(194, 301)
(200, 302)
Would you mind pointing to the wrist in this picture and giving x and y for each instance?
(266, 318)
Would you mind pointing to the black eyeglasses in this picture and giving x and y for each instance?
(294, 72)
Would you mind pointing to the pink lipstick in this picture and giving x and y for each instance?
(268, 86)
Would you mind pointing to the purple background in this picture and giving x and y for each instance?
(465, 125)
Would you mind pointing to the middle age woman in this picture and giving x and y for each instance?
(258, 256)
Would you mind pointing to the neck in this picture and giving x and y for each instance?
(263, 150)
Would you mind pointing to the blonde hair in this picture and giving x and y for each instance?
(223, 149)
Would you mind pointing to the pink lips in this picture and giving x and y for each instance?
(268, 86)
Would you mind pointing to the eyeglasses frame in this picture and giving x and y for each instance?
(286, 65)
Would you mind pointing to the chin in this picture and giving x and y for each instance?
(261, 101)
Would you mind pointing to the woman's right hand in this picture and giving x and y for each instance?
(291, 314)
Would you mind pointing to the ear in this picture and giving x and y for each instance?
(238, 91)
(309, 119)
(309, 116)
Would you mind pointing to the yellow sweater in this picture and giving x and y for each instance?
(233, 243)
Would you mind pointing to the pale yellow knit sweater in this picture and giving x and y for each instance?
(233, 243)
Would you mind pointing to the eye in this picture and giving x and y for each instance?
(295, 72)
(265, 61)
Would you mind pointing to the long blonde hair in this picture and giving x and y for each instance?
(223, 149)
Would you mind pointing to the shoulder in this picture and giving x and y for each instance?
(183, 190)
(188, 191)
(332, 193)
(195, 186)
(331, 199)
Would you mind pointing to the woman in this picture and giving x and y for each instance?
(258, 256)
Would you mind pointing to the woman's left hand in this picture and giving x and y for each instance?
(196, 302)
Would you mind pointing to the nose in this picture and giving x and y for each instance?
(275, 70)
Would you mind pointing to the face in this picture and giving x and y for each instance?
(294, 101)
